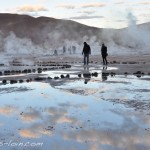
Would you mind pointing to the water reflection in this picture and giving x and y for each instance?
(104, 68)
(99, 115)
(86, 74)
(82, 129)
(104, 73)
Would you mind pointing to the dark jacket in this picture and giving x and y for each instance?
(104, 51)
(86, 49)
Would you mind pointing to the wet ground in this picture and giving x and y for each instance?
(86, 110)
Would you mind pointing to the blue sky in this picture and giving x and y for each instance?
(98, 13)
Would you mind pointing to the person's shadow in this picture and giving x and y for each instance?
(86, 74)
(104, 74)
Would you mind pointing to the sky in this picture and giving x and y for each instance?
(97, 13)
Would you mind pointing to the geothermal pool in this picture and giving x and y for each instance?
(76, 113)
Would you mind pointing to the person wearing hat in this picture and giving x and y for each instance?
(86, 51)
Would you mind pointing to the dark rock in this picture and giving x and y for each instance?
(7, 72)
(18, 71)
(68, 66)
(67, 76)
(28, 80)
(56, 78)
(138, 72)
(79, 75)
(39, 71)
(4, 81)
(13, 81)
(29, 70)
(33, 70)
(95, 74)
(87, 75)
(112, 74)
(20, 81)
(62, 76)
(25, 71)
(132, 62)
(39, 79)
(44, 69)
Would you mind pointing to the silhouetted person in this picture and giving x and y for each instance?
(69, 49)
(104, 54)
(55, 52)
(64, 49)
(74, 49)
(86, 51)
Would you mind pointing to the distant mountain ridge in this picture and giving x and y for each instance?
(46, 33)
(38, 28)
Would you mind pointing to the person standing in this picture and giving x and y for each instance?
(86, 51)
(55, 52)
(104, 54)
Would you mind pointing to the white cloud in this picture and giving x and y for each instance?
(31, 8)
(93, 5)
(145, 3)
(119, 2)
(87, 12)
(85, 17)
(86, 5)
(66, 6)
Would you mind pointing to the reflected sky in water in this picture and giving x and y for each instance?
(110, 114)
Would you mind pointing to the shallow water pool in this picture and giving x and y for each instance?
(108, 113)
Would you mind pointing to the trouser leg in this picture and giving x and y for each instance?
(87, 59)
(84, 59)
(103, 61)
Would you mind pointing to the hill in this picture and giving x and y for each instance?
(23, 34)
